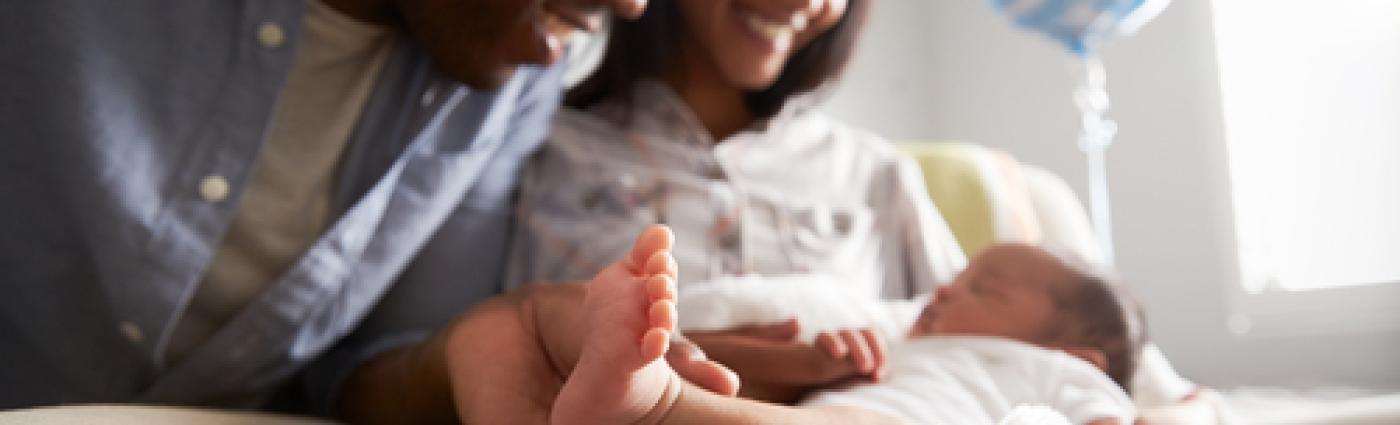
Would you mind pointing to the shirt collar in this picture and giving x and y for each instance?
(653, 107)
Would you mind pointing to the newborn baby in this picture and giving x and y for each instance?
(1019, 327)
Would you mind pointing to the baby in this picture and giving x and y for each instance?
(1018, 327)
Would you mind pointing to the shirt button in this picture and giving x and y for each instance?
(729, 241)
(213, 188)
(627, 181)
(271, 35)
(429, 96)
(713, 171)
(354, 236)
(132, 332)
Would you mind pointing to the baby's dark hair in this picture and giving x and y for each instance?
(1100, 314)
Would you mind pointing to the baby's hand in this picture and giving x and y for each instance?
(863, 348)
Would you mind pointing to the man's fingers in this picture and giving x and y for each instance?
(682, 348)
(654, 343)
(860, 353)
(782, 331)
(689, 361)
(833, 345)
(710, 375)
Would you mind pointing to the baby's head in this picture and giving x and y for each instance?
(1025, 293)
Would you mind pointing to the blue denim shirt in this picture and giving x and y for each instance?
(111, 113)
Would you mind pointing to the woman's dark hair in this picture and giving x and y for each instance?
(643, 48)
(1102, 315)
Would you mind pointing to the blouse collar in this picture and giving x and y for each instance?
(655, 108)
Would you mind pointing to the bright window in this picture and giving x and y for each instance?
(1311, 92)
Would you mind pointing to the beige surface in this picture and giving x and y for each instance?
(144, 415)
(1315, 406)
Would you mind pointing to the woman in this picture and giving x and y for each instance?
(701, 116)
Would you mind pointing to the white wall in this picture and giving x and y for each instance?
(953, 69)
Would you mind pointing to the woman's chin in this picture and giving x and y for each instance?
(753, 74)
(756, 82)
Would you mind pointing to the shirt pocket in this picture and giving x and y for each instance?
(827, 236)
(614, 193)
(607, 212)
(586, 218)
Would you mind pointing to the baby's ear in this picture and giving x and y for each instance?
(1091, 355)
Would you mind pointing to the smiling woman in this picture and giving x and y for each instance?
(702, 117)
(760, 46)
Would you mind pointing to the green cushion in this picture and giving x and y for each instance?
(955, 184)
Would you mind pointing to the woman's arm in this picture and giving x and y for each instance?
(924, 251)
(774, 367)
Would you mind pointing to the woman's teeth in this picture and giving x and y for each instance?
(766, 28)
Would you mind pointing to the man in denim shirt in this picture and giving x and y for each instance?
(204, 200)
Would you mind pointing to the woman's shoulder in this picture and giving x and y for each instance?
(852, 144)
(612, 119)
(570, 123)
(846, 136)
(582, 137)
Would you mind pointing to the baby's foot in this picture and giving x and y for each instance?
(630, 307)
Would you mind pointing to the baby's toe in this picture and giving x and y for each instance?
(654, 239)
(660, 263)
(660, 287)
(662, 315)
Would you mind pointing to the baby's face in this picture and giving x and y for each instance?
(1007, 291)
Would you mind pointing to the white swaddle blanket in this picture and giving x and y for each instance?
(931, 380)
(983, 380)
(819, 302)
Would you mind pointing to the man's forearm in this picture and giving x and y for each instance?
(404, 385)
(775, 371)
(502, 362)
(489, 366)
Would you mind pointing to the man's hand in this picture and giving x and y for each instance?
(502, 362)
(775, 367)
(418, 383)
(690, 362)
(508, 364)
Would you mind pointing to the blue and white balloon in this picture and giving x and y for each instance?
(1082, 26)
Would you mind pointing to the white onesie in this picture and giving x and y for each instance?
(969, 380)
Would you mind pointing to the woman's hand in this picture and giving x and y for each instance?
(774, 366)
